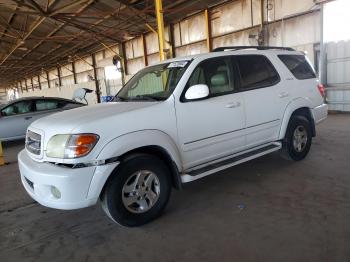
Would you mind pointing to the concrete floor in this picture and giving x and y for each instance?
(268, 209)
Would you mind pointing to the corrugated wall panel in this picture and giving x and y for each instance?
(338, 77)
(135, 65)
(192, 49)
(153, 59)
(66, 70)
(231, 17)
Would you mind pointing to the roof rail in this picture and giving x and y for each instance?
(231, 48)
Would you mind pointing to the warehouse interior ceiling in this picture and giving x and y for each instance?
(36, 35)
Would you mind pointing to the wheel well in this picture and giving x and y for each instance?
(158, 152)
(306, 112)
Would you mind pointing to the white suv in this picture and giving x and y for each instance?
(172, 123)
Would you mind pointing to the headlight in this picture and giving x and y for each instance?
(71, 146)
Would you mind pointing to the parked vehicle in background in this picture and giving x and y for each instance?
(172, 123)
(16, 116)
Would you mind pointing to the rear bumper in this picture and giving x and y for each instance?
(79, 187)
(320, 113)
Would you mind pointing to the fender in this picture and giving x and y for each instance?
(290, 108)
(128, 142)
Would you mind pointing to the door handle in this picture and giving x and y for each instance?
(233, 105)
(283, 94)
(28, 117)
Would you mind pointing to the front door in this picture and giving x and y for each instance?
(15, 118)
(211, 128)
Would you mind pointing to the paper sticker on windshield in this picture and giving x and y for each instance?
(178, 64)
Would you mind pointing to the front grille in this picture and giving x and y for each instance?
(33, 142)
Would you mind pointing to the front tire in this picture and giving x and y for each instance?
(297, 142)
(138, 191)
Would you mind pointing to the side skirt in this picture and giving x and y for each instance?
(231, 161)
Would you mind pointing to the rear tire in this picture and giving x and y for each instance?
(298, 138)
(138, 191)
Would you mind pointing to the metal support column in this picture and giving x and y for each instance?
(160, 25)
(144, 45)
(59, 76)
(208, 29)
(39, 82)
(171, 40)
(97, 84)
(74, 73)
(322, 66)
(123, 62)
(31, 81)
(48, 79)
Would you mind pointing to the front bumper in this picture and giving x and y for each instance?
(320, 113)
(79, 187)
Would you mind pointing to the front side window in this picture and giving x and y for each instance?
(215, 73)
(299, 66)
(256, 71)
(17, 108)
(153, 83)
(43, 105)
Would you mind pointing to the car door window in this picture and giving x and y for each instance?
(21, 107)
(215, 73)
(256, 71)
(43, 105)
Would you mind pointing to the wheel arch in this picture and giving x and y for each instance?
(154, 142)
(300, 107)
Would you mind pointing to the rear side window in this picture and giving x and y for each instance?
(43, 105)
(256, 71)
(298, 65)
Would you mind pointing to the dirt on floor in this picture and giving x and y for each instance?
(268, 209)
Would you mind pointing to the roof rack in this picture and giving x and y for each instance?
(230, 48)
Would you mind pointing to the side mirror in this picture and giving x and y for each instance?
(197, 92)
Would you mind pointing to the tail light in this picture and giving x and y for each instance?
(322, 90)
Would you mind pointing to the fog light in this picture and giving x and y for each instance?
(55, 192)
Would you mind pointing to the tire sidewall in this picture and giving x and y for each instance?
(293, 124)
(113, 192)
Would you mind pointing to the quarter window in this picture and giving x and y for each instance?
(256, 71)
(299, 66)
(215, 73)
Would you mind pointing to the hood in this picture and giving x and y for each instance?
(68, 120)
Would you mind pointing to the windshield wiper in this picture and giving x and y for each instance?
(118, 98)
(147, 97)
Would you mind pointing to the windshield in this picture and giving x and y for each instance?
(154, 83)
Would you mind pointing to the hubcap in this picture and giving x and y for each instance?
(141, 191)
(299, 138)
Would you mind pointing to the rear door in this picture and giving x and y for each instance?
(259, 82)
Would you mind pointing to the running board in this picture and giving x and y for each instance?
(229, 162)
